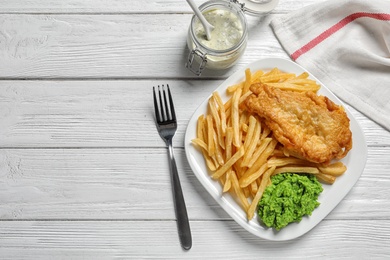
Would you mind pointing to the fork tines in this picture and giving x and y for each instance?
(164, 112)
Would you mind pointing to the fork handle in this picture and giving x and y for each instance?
(183, 224)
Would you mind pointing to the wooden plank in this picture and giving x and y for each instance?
(110, 46)
(90, 113)
(112, 113)
(133, 183)
(357, 239)
(118, 6)
(83, 173)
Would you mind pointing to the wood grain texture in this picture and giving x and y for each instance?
(110, 46)
(83, 172)
(109, 113)
(158, 239)
(120, 6)
(134, 184)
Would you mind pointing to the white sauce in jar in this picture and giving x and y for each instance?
(227, 30)
(228, 38)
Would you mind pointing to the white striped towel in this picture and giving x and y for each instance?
(346, 45)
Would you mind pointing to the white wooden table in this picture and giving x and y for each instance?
(83, 172)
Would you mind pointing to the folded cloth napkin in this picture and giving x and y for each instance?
(346, 45)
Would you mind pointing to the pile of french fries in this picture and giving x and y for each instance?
(239, 149)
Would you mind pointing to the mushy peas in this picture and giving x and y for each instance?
(289, 198)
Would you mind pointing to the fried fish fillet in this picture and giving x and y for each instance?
(307, 125)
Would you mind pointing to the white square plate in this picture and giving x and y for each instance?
(329, 198)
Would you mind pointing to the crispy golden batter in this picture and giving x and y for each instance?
(307, 125)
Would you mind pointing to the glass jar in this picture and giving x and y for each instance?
(229, 37)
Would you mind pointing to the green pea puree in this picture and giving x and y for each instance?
(290, 197)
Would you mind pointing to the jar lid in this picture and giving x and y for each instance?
(256, 7)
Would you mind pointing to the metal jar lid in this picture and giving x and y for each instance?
(257, 7)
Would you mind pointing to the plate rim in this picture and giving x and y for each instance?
(221, 199)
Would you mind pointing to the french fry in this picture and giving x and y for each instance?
(300, 81)
(229, 143)
(261, 160)
(251, 143)
(297, 169)
(221, 107)
(264, 183)
(200, 126)
(303, 75)
(218, 150)
(229, 163)
(251, 129)
(229, 104)
(265, 133)
(335, 169)
(228, 182)
(243, 118)
(231, 89)
(199, 142)
(263, 145)
(248, 81)
(294, 87)
(276, 77)
(255, 76)
(239, 170)
(248, 178)
(326, 178)
(277, 162)
(235, 117)
(278, 153)
(217, 121)
(272, 72)
(239, 148)
(244, 96)
(239, 192)
(210, 135)
(244, 128)
(253, 188)
(209, 161)
(214, 110)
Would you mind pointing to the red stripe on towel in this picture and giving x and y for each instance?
(335, 28)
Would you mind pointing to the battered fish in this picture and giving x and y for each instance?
(307, 125)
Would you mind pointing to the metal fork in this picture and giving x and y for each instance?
(166, 125)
